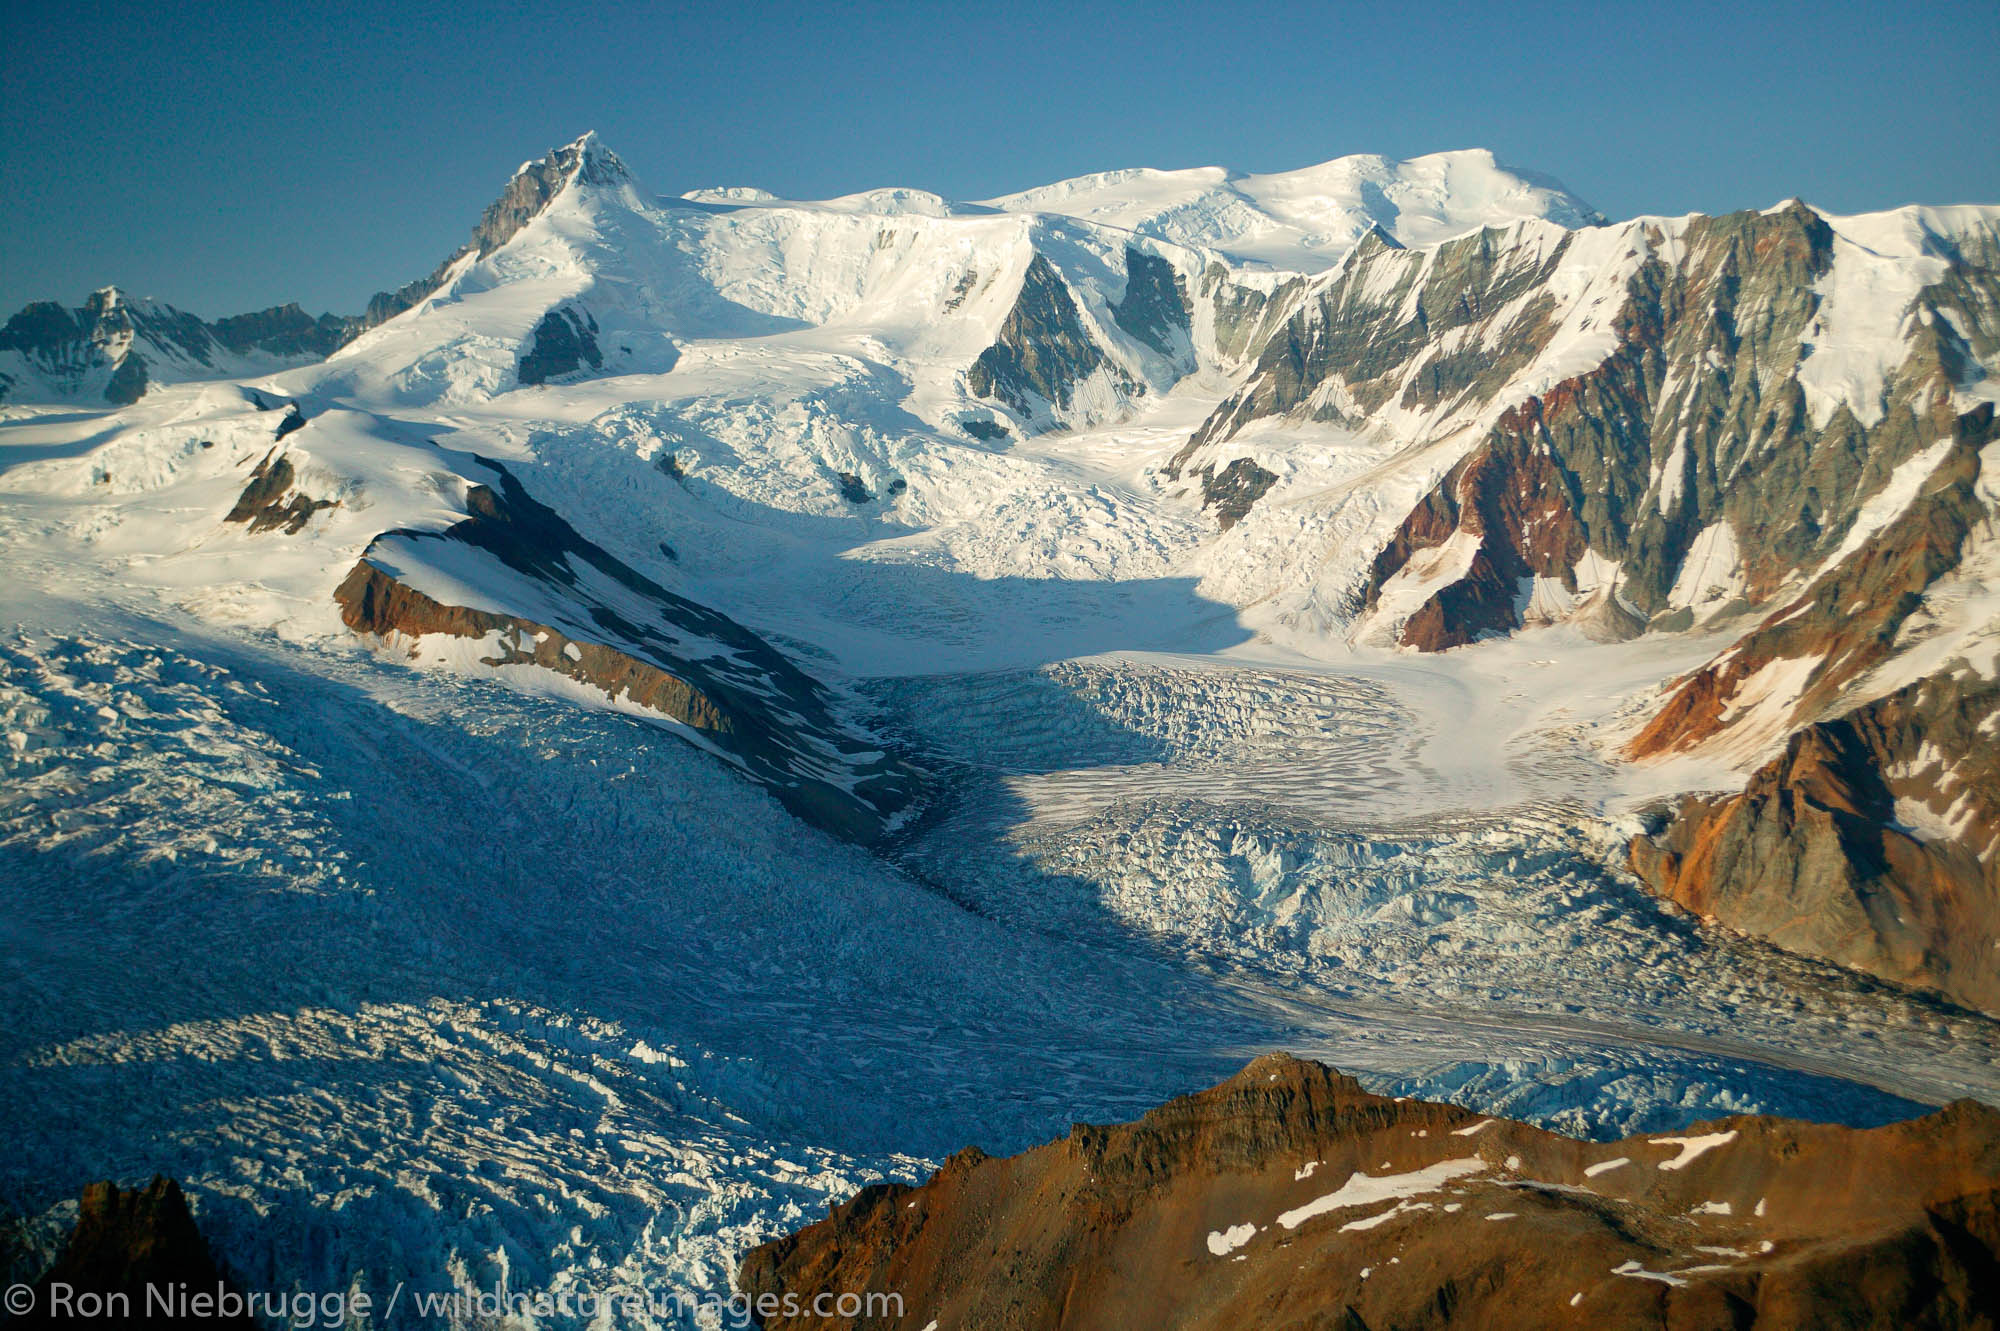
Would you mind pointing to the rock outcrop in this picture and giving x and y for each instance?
(1699, 417)
(1288, 1197)
(1155, 308)
(272, 500)
(126, 1244)
(564, 342)
(1873, 840)
(553, 600)
(1043, 354)
(1232, 490)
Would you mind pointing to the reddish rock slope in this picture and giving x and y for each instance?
(1288, 1197)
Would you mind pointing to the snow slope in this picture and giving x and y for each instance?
(1307, 220)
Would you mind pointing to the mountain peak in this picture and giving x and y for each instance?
(535, 184)
(584, 159)
(104, 300)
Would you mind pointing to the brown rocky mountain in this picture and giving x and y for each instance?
(1871, 839)
(1288, 1197)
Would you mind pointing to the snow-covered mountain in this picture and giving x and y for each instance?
(1308, 220)
(998, 662)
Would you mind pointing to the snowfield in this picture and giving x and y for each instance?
(412, 970)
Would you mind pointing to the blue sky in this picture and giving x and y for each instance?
(226, 157)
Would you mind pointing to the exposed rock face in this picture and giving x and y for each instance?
(125, 1244)
(1288, 1197)
(1371, 336)
(1246, 316)
(1712, 415)
(1871, 841)
(128, 380)
(1155, 307)
(272, 501)
(1846, 621)
(603, 624)
(287, 330)
(563, 342)
(1379, 318)
(1043, 353)
(1514, 509)
(1697, 418)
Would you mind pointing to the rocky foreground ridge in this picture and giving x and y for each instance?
(1289, 1197)
(127, 1243)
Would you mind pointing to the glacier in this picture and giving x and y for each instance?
(417, 972)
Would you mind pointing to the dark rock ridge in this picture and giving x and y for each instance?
(563, 342)
(286, 330)
(125, 1244)
(1290, 1198)
(1043, 352)
(606, 625)
(1154, 309)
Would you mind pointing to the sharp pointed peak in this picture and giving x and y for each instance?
(585, 159)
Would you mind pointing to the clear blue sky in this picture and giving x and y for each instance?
(228, 157)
